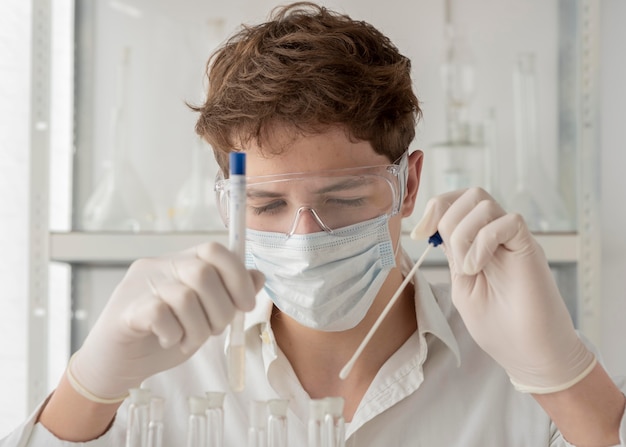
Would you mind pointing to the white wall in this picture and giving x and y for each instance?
(613, 184)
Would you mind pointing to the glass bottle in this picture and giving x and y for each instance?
(155, 427)
(317, 410)
(257, 435)
(197, 422)
(535, 197)
(334, 424)
(215, 418)
(138, 418)
(277, 423)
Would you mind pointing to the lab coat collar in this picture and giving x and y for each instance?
(430, 317)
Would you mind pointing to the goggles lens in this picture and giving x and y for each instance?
(334, 198)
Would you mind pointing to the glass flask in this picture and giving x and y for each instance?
(155, 427)
(459, 82)
(215, 418)
(197, 422)
(334, 423)
(277, 423)
(138, 418)
(120, 201)
(317, 411)
(195, 208)
(535, 197)
(458, 161)
(257, 434)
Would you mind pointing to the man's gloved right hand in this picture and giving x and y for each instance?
(159, 315)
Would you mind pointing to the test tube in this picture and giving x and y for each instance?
(197, 423)
(277, 423)
(155, 427)
(138, 417)
(215, 418)
(317, 410)
(334, 423)
(257, 435)
(236, 240)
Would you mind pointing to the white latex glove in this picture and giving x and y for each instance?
(505, 292)
(158, 316)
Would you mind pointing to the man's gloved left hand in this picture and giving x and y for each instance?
(505, 292)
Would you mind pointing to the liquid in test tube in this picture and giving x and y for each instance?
(236, 240)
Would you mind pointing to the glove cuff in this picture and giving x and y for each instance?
(85, 392)
(556, 388)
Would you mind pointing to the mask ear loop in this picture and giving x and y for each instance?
(433, 241)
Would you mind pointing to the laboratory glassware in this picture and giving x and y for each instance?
(277, 423)
(197, 422)
(535, 197)
(458, 77)
(459, 161)
(138, 417)
(215, 418)
(195, 208)
(492, 169)
(317, 411)
(120, 201)
(156, 427)
(236, 351)
(257, 429)
(334, 423)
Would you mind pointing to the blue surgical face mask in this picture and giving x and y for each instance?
(324, 281)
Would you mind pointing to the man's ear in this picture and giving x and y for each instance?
(413, 182)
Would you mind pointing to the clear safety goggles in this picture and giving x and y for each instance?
(334, 198)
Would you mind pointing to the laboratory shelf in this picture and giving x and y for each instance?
(122, 248)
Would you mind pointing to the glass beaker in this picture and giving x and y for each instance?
(535, 197)
(454, 166)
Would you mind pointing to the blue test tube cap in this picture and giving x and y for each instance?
(237, 161)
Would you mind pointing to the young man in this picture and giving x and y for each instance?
(323, 107)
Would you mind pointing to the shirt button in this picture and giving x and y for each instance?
(265, 336)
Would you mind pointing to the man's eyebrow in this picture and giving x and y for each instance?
(263, 194)
(342, 185)
(345, 184)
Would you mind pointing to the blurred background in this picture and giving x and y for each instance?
(99, 163)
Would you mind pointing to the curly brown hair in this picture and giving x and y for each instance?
(308, 68)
